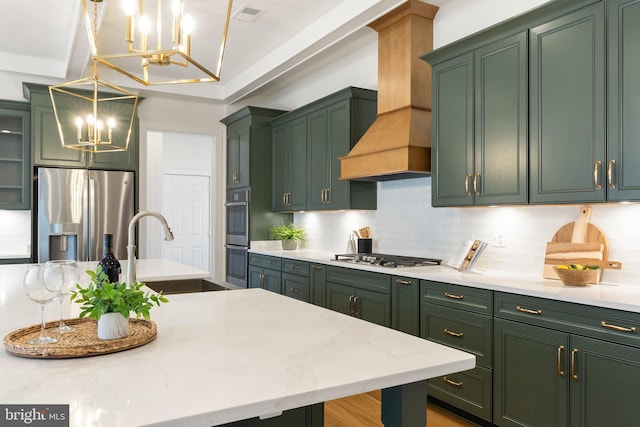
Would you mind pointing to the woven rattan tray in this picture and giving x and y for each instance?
(82, 342)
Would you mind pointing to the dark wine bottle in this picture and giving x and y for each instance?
(110, 265)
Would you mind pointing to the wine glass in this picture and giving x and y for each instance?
(61, 275)
(34, 286)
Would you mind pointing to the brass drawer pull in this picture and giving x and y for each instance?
(403, 282)
(466, 184)
(618, 328)
(294, 267)
(558, 361)
(573, 364)
(453, 334)
(528, 310)
(475, 183)
(295, 290)
(596, 166)
(355, 306)
(453, 296)
(451, 382)
(317, 267)
(612, 185)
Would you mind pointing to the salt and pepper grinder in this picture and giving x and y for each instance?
(351, 245)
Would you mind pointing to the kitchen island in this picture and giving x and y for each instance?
(221, 357)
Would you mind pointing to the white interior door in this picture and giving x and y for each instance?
(186, 207)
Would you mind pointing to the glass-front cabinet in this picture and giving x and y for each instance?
(15, 185)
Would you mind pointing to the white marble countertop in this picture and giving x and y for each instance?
(608, 295)
(219, 357)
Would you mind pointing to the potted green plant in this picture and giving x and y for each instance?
(111, 303)
(289, 234)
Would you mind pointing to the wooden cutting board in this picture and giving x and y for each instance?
(578, 242)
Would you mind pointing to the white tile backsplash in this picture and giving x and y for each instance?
(405, 223)
(15, 234)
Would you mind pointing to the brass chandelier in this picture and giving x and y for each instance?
(92, 114)
(176, 49)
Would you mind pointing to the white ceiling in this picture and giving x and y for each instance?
(48, 38)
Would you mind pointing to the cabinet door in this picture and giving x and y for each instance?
(623, 165)
(318, 279)
(232, 157)
(297, 178)
(15, 159)
(119, 160)
(605, 389)
(405, 294)
(47, 146)
(295, 286)
(452, 134)
(254, 279)
(338, 116)
(272, 281)
(280, 161)
(567, 108)
(500, 172)
(530, 375)
(373, 307)
(319, 153)
(340, 298)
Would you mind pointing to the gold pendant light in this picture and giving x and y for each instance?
(92, 114)
(170, 51)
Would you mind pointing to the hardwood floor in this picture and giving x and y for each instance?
(363, 410)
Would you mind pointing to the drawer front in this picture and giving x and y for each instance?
(271, 262)
(611, 325)
(292, 266)
(295, 286)
(368, 280)
(468, 390)
(456, 296)
(470, 332)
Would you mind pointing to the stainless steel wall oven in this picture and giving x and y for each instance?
(237, 235)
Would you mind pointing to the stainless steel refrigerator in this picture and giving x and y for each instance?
(76, 207)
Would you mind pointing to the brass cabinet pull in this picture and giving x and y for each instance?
(618, 328)
(453, 334)
(558, 361)
(453, 296)
(596, 166)
(612, 185)
(351, 311)
(451, 382)
(295, 290)
(528, 310)
(475, 183)
(322, 196)
(404, 282)
(355, 306)
(294, 267)
(237, 177)
(262, 281)
(271, 262)
(573, 364)
(316, 267)
(466, 184)
(284, 199)
(288, 199)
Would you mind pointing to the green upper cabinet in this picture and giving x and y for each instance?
(289, 165)
(15, 161)
(249, 147)
(47, 146)
(623, 108)
(479, 153)
(567, 104)
(333, 125)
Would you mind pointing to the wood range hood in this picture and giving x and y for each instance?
(398, 143)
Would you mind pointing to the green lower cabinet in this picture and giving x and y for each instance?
(295, 286)
(605, 389)
(264, 278)
(318, 281)
(405, 295)
(307, 416)
(469, 391)
(366, 305)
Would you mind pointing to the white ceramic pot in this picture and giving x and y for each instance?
(289, 244)
(112, 326)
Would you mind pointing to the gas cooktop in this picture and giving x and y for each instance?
(384, 260)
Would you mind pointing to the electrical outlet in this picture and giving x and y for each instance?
(497, 240)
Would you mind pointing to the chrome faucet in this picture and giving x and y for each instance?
(131, 247)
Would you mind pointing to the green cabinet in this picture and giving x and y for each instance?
(249, 147)
(405, 295)
(308, 144)
(579, 362)
(289, 165)
(47, 146)
(461, 317)
(567, 104)
(295, 279)
(15, 158)
(265, 272)
(479, 152)
(622, 180)
(318, 282)
(362, 294)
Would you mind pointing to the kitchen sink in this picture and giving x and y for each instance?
(183, 286)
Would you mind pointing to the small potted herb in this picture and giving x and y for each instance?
(111, 303)
(289, 234)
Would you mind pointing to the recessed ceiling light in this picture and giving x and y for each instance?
(248, 14)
